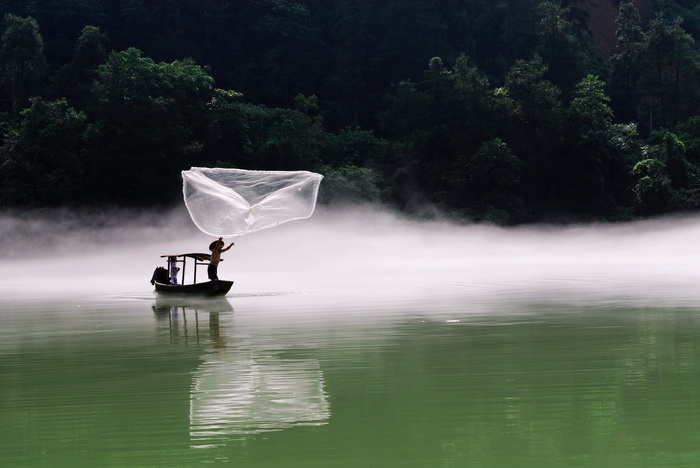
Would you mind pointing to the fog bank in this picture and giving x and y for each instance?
(357, 252)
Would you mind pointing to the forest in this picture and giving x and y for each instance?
(490, 111)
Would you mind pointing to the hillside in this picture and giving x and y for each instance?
(485, 111)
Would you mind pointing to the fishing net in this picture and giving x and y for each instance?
(234, 202)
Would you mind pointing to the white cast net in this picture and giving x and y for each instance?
(234, 202)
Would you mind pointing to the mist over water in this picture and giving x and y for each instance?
(356, 253)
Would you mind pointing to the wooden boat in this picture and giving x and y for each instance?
(161, 277)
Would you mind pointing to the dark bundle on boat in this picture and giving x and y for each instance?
(160, 275)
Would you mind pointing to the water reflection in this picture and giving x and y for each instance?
(241, 387)
(187, 317)
(241, 391)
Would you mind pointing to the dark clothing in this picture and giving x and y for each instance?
(211, 270)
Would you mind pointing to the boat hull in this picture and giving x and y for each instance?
(209, 288)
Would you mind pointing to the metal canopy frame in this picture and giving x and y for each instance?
(199, 260)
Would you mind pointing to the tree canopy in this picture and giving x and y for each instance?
(472, 108)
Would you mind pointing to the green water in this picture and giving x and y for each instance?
(328, 381)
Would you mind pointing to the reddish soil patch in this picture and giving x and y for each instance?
(602, 21)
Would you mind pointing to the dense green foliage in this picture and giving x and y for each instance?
(490, 111)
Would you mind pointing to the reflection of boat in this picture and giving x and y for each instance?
(188, 316)
(195, 304)
(162, 283)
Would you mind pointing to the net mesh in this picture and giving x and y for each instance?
(234, 202)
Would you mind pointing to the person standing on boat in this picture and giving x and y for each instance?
(172, 262)
(217, 248)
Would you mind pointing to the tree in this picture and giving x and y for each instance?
(582, 169)
(353, 147)
(61, 22)
(535, 127)
(40, 160)
(474, 106)
(689, 134)
(228, 136)
(147, 121)
(536, 102)
(493, 34)
(349, 184)
(294, 138)
(449, 113)
(670, 76)
(90, 51)
(665, 180)
(625, 64)
(652, 187)
(22, 59)
(417, 33)
(680, 172)
(91, 48)
(290, 47)
(559, 47)
(485, 184)
(369, 57)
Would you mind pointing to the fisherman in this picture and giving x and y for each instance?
(217, 248)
